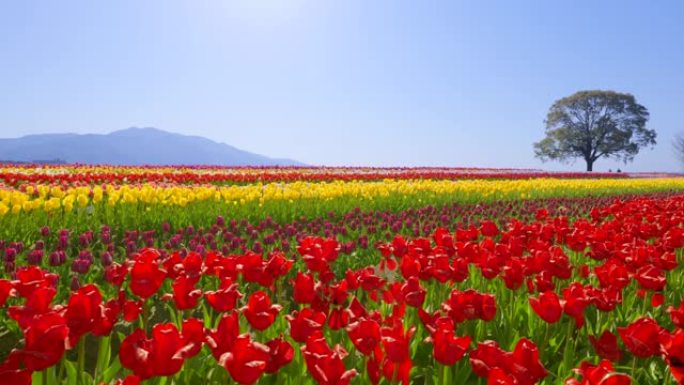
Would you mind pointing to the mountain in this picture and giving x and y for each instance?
(132, 146)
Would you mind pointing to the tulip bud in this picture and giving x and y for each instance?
(257, 248)
(75, 284)
(10, 254)
(80, 265)
(35, 257)
(56, 258)
(106, 258)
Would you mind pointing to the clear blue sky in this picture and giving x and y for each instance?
(353, 82)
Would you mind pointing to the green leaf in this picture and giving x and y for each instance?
(71, 372)
(110, 372)
(37, 378)
(86, 378)
(52, 375)
(103, 354)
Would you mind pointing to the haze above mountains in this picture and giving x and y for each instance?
(132, 146)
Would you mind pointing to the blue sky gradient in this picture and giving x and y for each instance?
(352, 82)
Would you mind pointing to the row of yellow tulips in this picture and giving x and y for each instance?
(51, 198)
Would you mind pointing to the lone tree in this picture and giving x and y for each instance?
(595, 124)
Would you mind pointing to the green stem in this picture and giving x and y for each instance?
(100, 343)
(633, 373)
(445, 375)
(143, 316)
(81, 361)
(567, 351)
(668, 378)
(60, 372)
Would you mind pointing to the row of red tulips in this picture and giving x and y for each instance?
(16, 179)
(526, 303)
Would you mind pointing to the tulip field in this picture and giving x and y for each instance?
(336, 276)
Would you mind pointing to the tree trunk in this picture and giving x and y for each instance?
(590, 165)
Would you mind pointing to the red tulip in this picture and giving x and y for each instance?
(606, 346)
(37, 303)
(192, 331)
(657, 299)
(489, 229)
(413, 293)
(45, 340)
(396, 341)
(325, 364)
(365, 335)
(106, 317)
(641, 337)
(338, 318)
(12, 372)
(161, 355)
(513, 274)
(221, 340)
(132, 310)
(673, 349)
(116, 274)
(651, 278)
(280, 353)
(32, 278)
(192, 265)
(576, 301)
(224, 299)
(304, 323)
(373, 367)
(447, 347)
(397, 371)
(409, 266)
(370, 281)
(677, 315)
(612, 273)
(277, 265)
(5, 291)
(356, 309)
(522, 364)
(253, 268)
(303, 288)
(185, 295)
(246, 361)
(259, 311)
(146, 278)
(339, 293)
(399, 246)
(527, 367)
(469, 305)
(317, 253)
(498, 376)
(547, 306)
(601, 374)
(82, 312)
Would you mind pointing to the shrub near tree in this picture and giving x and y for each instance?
(595, 124)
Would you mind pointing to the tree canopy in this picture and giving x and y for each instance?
(595, 124)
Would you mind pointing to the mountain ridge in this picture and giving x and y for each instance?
(132, 146)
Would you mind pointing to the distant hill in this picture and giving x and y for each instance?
(132, 146)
